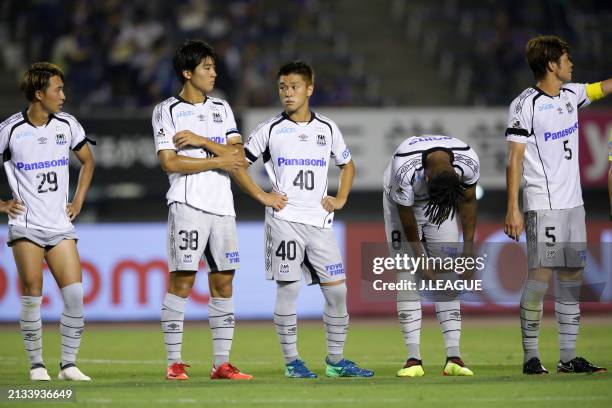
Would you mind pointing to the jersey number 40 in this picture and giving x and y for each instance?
(304, 180)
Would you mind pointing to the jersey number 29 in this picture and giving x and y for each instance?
(48, 182)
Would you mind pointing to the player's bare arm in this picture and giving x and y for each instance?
(171, 162)
(610, 188)
(12, 207)
(186, 138)
(514, 223)
(73, 209)
(468, 216)
(245, 182)
(606, 87)
(410, 227)
(347, 174)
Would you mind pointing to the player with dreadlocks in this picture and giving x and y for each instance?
(445, 191)
(429, 180)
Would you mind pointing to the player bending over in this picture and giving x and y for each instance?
(429, 179)
(297, 146)
(542, 139)
(36, 146)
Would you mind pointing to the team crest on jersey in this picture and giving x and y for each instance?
(60, 139)
(321, 140)
(569, 107)
(217, 117)
(303, 138)
(284, 268)
(42, 140)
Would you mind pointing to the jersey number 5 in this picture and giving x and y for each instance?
(568, 151)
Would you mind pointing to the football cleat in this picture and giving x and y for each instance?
(70, 372)
(534, 366)
(226, 371)
(297, 369)
(455, 366)
(579, 365)
(412, 368)
(38, 372)
(346, 368)
(176, 371)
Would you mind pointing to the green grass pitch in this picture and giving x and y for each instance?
(127, 365)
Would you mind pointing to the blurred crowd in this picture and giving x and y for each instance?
(479, 45)
(119, 53)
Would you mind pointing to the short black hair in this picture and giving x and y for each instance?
(297, 67)
(189, 55)
(445, 191)
(543, 49)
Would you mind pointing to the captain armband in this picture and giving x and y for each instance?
(594, 91)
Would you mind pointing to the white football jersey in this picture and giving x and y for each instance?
(296, 157)
(210, 190)
(549, 127)
(404, 178)
(36, 164)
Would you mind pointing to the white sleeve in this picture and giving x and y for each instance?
(77, 134)
(339, 150)
(231, 130)
(257, 143)
(4, 132)
(471, 172)
(401, 190)
(578, 91)
(520, 118)
(163, 128)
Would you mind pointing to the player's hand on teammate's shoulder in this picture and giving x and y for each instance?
(186, 138)
(12, 208)
(73, 210)
(514, 224)
(274, 200)
(330, 203)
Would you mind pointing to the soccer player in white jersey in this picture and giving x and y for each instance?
(36, 145)
(542, 140)
(196, 141)
(429, 179)
(297, 146)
